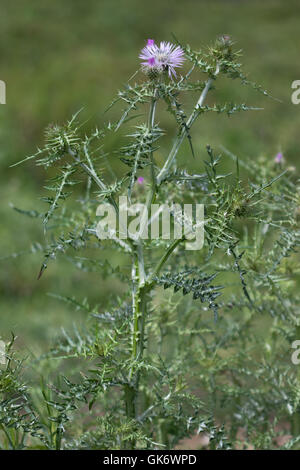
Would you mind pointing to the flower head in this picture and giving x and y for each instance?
(165, 57)
(140, 180)
(278, 158)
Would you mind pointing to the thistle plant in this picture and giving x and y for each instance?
(196, 342)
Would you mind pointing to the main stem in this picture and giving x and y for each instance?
(141, 284)
(139, 296)
(152, 192)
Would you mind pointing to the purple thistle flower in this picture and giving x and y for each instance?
(165, 57)
(278, 158)
(140, 180)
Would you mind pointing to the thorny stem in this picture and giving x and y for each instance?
(138, 272)
(142, 285)
(130, 390)
(172, 155)
(139, 276)
(139, 294)
(151, 195)
(89, 169)
(140, 255)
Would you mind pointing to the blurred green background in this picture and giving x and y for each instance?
(59, 56)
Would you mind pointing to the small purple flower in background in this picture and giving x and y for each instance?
(225, 39)
(278, 158)
(165, 57)
(140, 180)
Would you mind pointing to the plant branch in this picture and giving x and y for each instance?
(172, 155)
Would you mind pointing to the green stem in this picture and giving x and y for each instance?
(172, 155)
(152, 192)
(89, 169)
(140, 290)
(131, 389)
(165, 257)
(139, 295)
